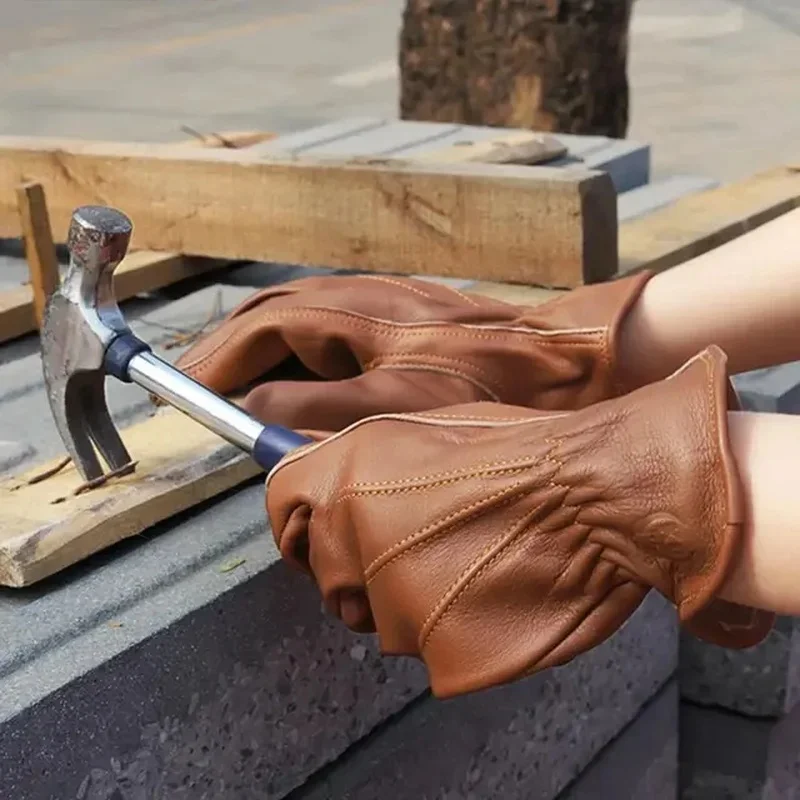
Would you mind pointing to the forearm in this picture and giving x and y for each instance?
(743, 296)
(766, 448)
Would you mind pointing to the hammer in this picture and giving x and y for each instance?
(85, 337)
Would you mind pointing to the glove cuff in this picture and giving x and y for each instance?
(701, 612)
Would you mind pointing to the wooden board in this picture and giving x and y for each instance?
(46, 527)
(699, 222)
(40, 252)
(544, 225)
(141, 271)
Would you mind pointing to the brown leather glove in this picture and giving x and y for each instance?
(494, 541)
(385, 344)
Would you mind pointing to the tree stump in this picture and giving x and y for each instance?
(547, 65)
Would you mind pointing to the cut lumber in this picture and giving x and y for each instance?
(699, 222)
(40, 251)
(46, 526)
(141, 271)
(544, 225)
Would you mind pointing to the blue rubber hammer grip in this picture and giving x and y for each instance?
(274, 443)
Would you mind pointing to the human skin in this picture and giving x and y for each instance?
(742, 296)
(765, 448)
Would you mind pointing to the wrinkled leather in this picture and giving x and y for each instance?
(493, 541)
(385, 344)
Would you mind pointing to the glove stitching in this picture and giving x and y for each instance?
(443, 371)
(505, 496)
(465, 298)
(389, 329)
(462, 582)
(490, 465)
(411, 489)
(391, 282)
(426, 536)
(400, 358)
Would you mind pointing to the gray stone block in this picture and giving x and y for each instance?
(726, 755)
(642, 762)
(154, 670)
(640, 201)
(527, 740)
(760, 682)
(774, 389)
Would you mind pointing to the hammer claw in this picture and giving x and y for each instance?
(101, 428)
(74, 430)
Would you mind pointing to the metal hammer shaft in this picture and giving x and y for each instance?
(130, 360)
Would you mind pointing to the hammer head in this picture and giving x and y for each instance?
(80, 321)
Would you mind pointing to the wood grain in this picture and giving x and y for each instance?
(700, 222)
(141, 271)
(544, 225)
(45, 527)
(40, 251)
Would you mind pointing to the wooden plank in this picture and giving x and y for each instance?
(142, 271)
(40, 252)
(700, 222)
(46, 527)
(554, 227)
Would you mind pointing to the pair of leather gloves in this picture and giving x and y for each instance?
(484, 491)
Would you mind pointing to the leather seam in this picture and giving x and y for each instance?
(390, 330)
(378, 564)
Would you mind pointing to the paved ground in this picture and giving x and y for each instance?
(716, 83)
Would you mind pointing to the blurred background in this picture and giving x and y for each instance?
(714, 84)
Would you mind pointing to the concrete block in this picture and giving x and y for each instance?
(156, 670)
(628, 163)
(723, 756)
(660, 193)
(727, 755)
(642, 762)
(760, 682)
(527, 740)
(774, 389)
